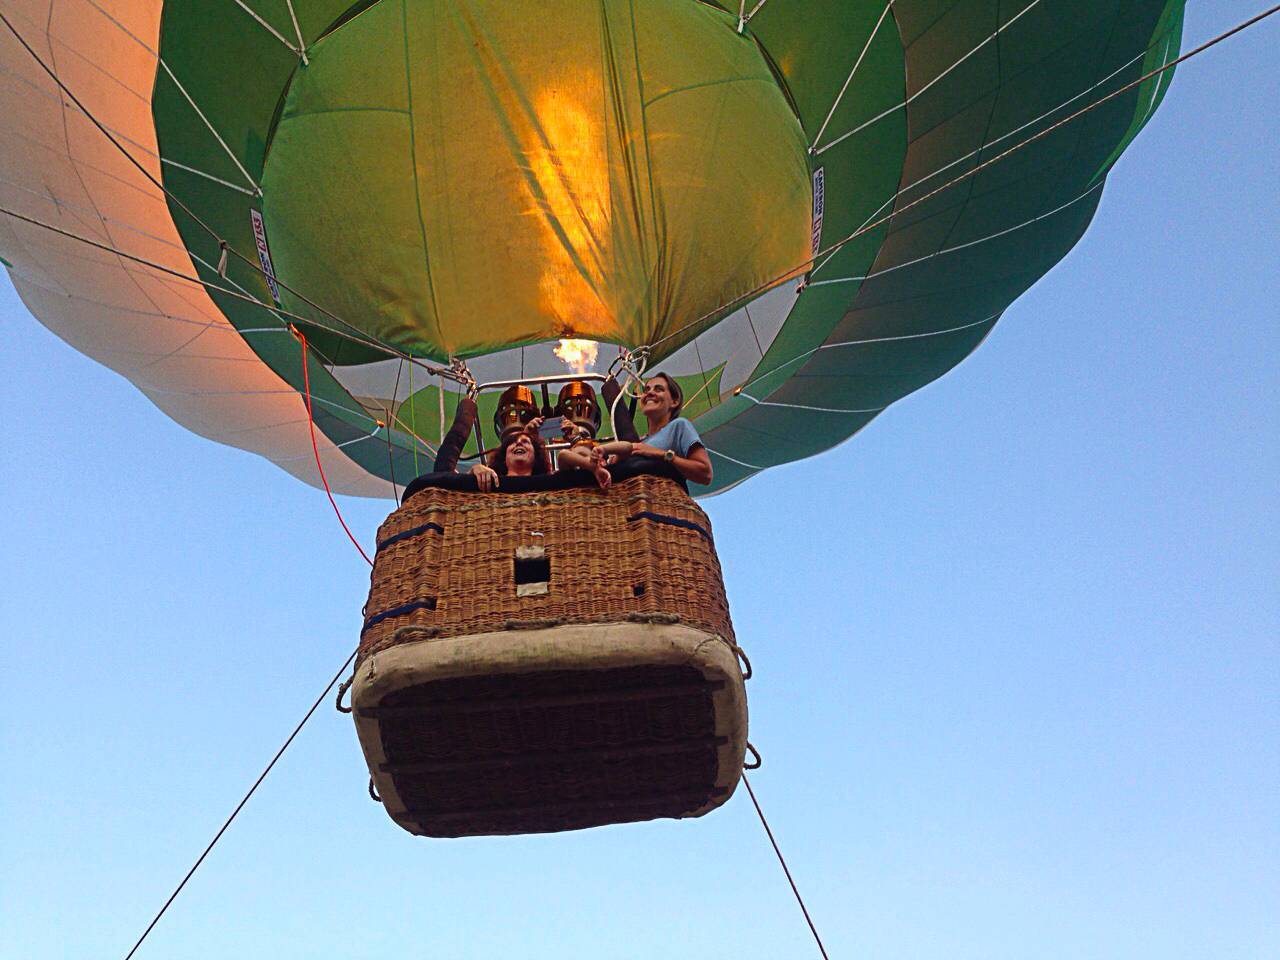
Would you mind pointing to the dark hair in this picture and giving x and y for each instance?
(673, 388)
(541, 459)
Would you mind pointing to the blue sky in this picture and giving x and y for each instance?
(1015, 645)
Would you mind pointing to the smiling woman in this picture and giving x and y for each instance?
(521, 454)
(671, 437)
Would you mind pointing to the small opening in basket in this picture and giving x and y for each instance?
(532, 570)
(638, 590)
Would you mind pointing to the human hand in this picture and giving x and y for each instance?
(534, 425)
(486, 477)
(646, 450)
(603, 476)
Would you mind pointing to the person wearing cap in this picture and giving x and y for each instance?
(671, 437)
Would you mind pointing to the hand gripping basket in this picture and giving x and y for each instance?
(548, 660)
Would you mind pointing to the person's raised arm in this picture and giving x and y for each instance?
(464, 419)
(624, 427)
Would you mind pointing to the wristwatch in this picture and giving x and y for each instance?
(669, 455)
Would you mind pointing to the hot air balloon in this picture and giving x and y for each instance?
(802, 212)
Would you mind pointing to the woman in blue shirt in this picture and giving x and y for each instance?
(671, 437)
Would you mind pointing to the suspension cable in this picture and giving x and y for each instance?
(785, 869)
(240, 806)
(633, 365)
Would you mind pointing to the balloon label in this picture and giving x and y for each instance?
(819, 205)
(264, 254)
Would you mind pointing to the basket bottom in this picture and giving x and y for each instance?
(584, 744)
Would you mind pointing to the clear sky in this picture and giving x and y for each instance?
(1016, 648)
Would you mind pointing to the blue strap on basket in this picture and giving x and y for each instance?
(400, 611)
(409, 534)
(669, 521)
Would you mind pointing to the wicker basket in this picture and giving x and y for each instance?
(546, 661)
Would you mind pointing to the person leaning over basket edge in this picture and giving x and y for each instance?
(521, 454)
(512, 411)
(671, 437)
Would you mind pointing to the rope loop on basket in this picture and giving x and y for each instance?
(746, 766)
(660, 618)
(342, 690)
(533, 624)
(744, 665)
(742, 657)
(426, 632)
(373, 792)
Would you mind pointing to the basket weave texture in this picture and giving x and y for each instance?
(447, 562)
(550, 751)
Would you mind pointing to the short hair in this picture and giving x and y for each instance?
(673, 388)
(541, 459)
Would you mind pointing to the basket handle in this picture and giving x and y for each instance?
(342, 690)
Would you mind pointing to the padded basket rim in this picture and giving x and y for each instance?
(567, 647)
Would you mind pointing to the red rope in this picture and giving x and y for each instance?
(311, 423)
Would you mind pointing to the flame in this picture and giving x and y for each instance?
(579, 354)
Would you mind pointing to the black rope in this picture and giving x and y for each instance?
(240, 806)
(782, 860)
